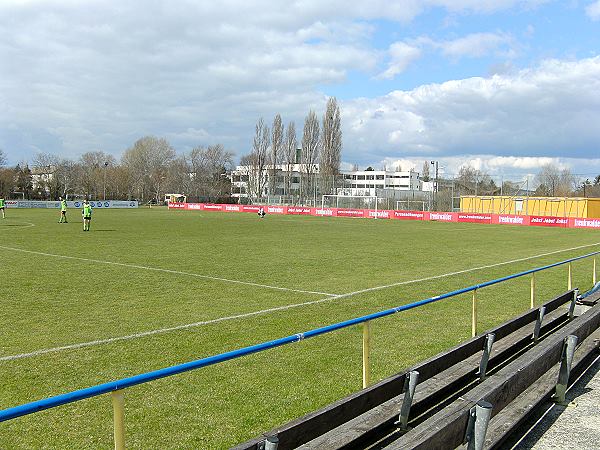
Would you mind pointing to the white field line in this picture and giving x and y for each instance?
(269, 310)
(16, 225)
(158, 269)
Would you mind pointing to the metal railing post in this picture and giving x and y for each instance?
(118, 403)
(366, 353)
(570, 279)
(572, 304)
(479, 419)
(410, 384)
(474, 315)
(271, 443)
(487, 351)
(533, 290)
(538, 324)
(566, 360)
(594, 273)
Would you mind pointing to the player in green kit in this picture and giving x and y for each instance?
(63, 210)
(2, 207)
(86, 212)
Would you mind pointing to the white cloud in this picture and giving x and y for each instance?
(401, 56)
(474, 45)
(540, 112)
(593, 10)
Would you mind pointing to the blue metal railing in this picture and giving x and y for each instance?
(51, 402)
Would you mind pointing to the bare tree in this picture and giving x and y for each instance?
(2, 158)
(552, 181)
(289, 157)
(310, 152)
(331, 151)
(276, 151)
(48, 182)
(208, 168)
(258, 157)
(425, 171)
(148, 162)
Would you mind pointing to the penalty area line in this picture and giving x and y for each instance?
(275, 309)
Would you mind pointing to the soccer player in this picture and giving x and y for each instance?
(261, 212)
(63, 210)
(86, 212)
(2, 207)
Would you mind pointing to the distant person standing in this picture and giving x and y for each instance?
(2, 207)
(261, 212)
(63, 210)
(86, 213)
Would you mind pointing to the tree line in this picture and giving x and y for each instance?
(275, 153)
(146, 171)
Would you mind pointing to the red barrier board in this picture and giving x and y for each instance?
(584, 223)
(507, 219)
(276, 210)
(501, 219)
(379, 214)
(299, 210)
(547, 221)
(345, 212)
(329, 212)
(441, 216)
(474, 218)
(408, 215)
(206, 207)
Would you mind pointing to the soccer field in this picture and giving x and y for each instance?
(150, 288)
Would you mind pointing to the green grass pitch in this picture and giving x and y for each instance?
(140, 272)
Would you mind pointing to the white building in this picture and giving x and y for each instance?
(370, 182)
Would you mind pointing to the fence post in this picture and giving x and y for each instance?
(538, 324)
(366, 369)
(533, 290)
(474, 315)
(594, 273)
(572, 305)
(570, 280)
(119, 419)
(566, 360)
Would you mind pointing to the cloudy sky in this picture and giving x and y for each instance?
(502, 85)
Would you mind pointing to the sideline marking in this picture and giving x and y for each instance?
(269, 310)
(158, 269)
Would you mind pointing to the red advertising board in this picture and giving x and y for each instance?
(584, 223)
(195, 206)
(378, 214)
(276, 210)
(250, 208)
(232, 208)
(175, 205)
(547, 221)
(442, 216)
(345, 212)
(327, 212)
(474, 218)
(408, 215)
(507, 219)
(299, 210)
(206, 207)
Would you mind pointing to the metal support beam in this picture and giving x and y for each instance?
(366, 353)
(474, 315)
(570, 279)
(538, 324)
(410, 384)
(533, 290)
(572, 304)
(566, 360)
(119, 419)
(479, 419)
(271, 443)
(594, 272)
(487, 351)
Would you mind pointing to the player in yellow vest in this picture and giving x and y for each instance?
(86, 212)
(63, 210)
(2, 207)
